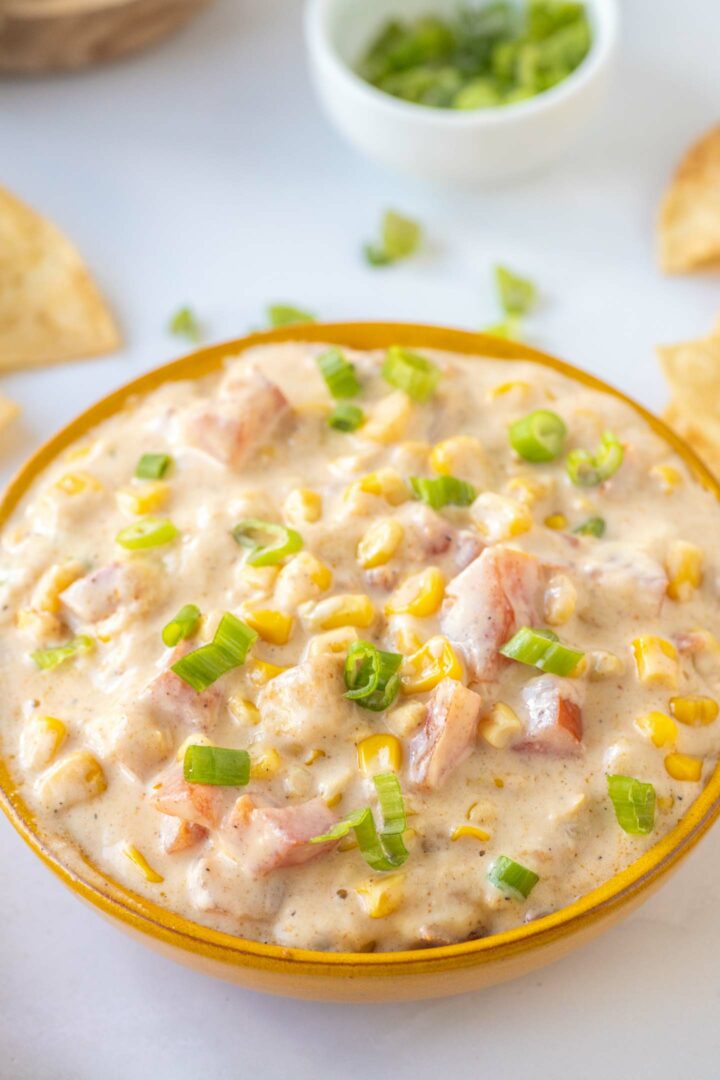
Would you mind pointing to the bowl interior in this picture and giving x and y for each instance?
(137, 913)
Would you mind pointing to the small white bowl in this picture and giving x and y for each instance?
(447, 144)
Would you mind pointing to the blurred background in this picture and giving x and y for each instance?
(202, 171)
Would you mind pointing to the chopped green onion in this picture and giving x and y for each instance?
(594, 526)
(216, 765)
(510, 329)
(47, 659)
(268, 542)
(511, 878)
(409, 371)
(184, 323)
(228, 649)
(539, 436)
(182, 626)
(517, 294)
(338, 373)
(371, 676)
(589, 470)
(153, 466)
(541, 649)
(634, 803)
(149, 532)
(346, 417)
(384, 850)
(400, 238)
(287, 315)
(442, 491)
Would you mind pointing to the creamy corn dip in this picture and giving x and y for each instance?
(493, 506)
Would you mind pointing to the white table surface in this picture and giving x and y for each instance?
(203, 172)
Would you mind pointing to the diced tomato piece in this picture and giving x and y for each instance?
(447, 736)
(270, 838)
(554, 711)
(200, 804)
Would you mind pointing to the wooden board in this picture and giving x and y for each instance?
(55, 35)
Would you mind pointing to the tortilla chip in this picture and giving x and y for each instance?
(689, 223)
(50, 309)
(692, 370)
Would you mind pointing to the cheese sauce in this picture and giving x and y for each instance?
(494, 756)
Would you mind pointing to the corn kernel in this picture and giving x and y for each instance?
(75, 453)
(243, 711)
(196, 739)
(684, 767)
(46, 594)
(404, 636)
(462, 455)
(556, 521)
(41, 739)
(471, 831)
(665, 802)
(73, 779)
(261, 672)
(262, 578)
(345, 610)
(380, 897)
(656, 661)
(498, 782)
(386, 483)
(530, 489)
(695, 711)
(76, 483)
(302, 506)
(348, 843)
(407, 718)
(684, 564)
(659, 728)
(420, 595)
(560, 600)
(516, 386)
(314, 755)
(273, 626)
(302, 578)
(333, 800)
(411, 456)
(601, 664)
(501, 726)
(144, 498)
(481, 811)
(667, 476)
(333, 642)
(380, 543)
(498, 517)
(40, 625)
(434, 661)
(266, 766)
(389, 419)
(379, 753)
(142, 864)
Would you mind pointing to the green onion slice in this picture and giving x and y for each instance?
(442, 491)
(182, 626)
(511, 878)
(384, 850)
(634, 803)
(216, 765)
(153, 466)
(510, 329)
(409, 371)
(539, 436)
(543, 650)
(268, 543)
(338, 373)
(594, 526)
(371, 676)
(47, 659)
(400, 238)
(589, 470)
(517, 294)
(228, 649)
(184, 323)
(287, 315)
(346, 417)
(149, 532)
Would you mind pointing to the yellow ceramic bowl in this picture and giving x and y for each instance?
(303, 973)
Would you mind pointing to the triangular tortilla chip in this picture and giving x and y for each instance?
(50, 309)
(689, 224)
(692, 370)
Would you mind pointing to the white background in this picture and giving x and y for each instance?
(202, 172)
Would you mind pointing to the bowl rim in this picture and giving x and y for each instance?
(322, 50)
(165, 926)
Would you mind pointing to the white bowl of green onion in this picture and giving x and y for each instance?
(461, 90)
